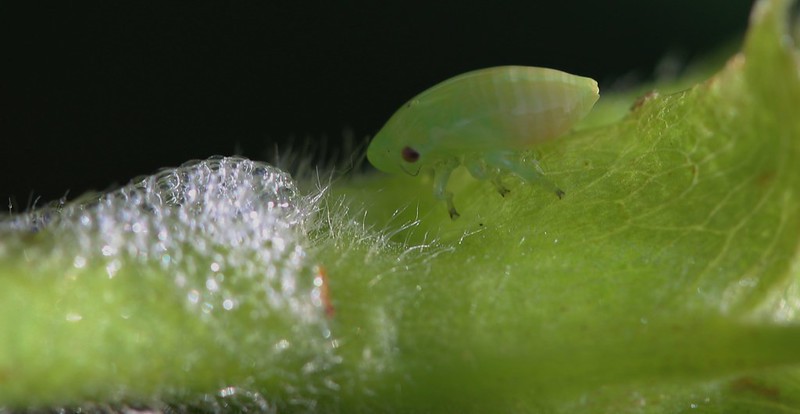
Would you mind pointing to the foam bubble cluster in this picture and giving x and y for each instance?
(228, 232)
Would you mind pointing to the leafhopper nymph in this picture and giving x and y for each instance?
(483, 119)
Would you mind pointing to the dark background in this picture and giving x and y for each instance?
(94, 94)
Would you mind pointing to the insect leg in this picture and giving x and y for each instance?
(511, 162)
(477, 168)
(441, 177)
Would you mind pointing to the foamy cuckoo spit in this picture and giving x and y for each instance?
(219, 244)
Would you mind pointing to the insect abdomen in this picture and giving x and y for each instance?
(518, 106)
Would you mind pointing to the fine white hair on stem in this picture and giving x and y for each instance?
(305, 157)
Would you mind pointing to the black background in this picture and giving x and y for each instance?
(94, 94)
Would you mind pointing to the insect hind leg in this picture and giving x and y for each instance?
(478, 169)
(513, 163)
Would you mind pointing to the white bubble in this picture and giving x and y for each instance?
(193, 296)
(79, 262)
(212, 285)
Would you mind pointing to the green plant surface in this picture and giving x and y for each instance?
(666, 280)
(672, 259)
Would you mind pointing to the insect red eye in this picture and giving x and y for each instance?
(410, 154)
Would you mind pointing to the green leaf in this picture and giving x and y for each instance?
(672, 260)
(666, 280)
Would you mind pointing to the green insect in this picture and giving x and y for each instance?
(485, 120)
